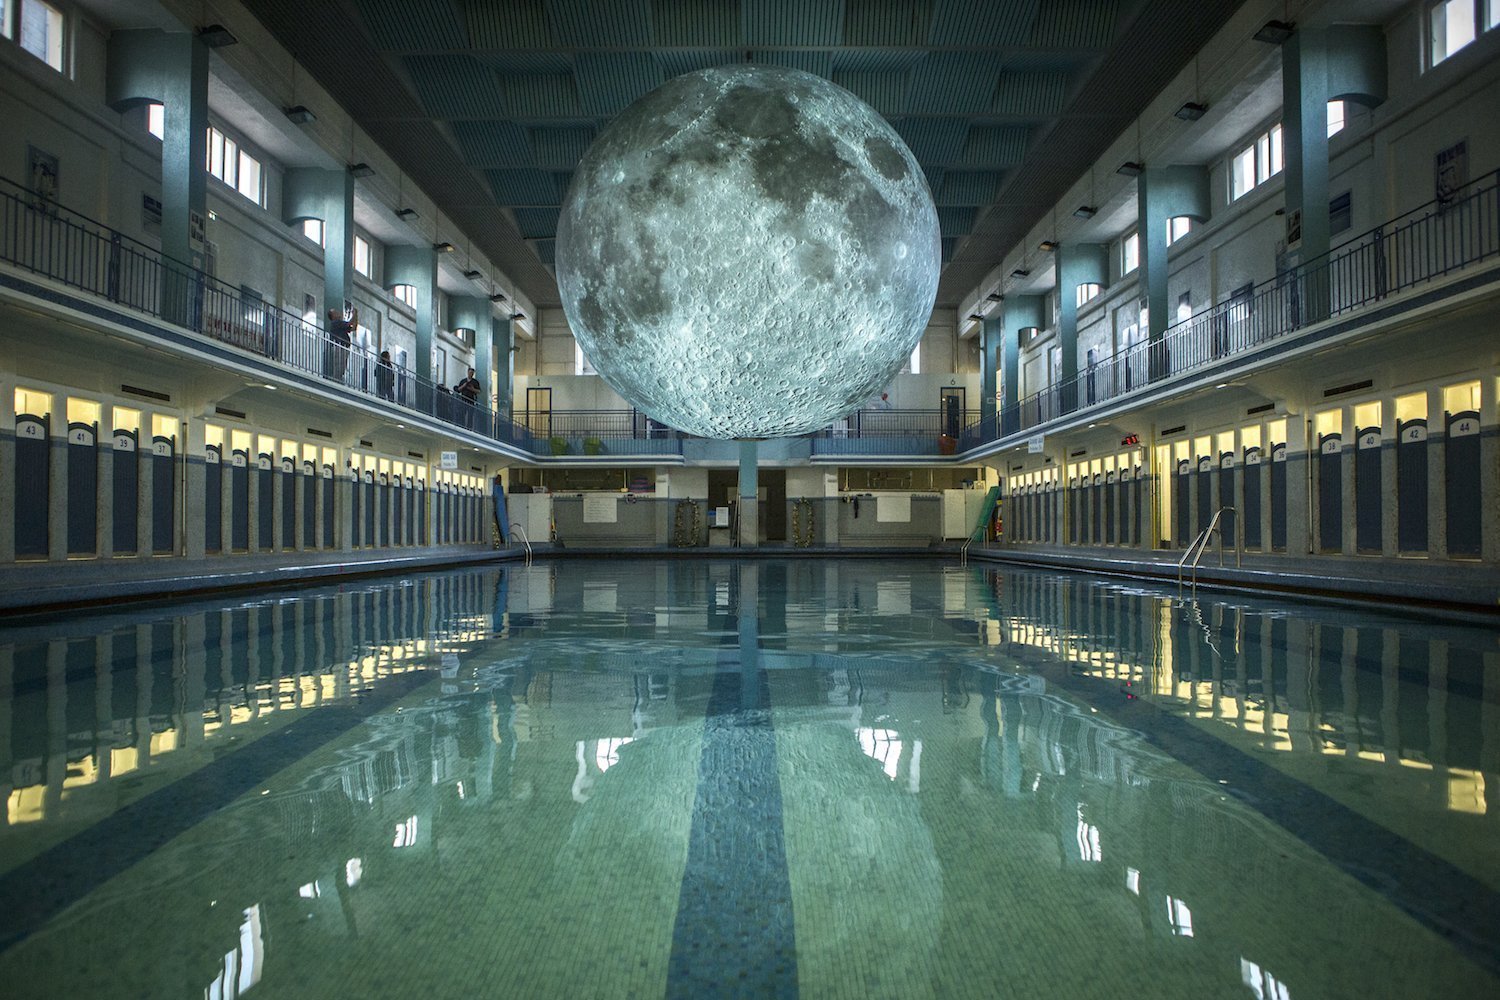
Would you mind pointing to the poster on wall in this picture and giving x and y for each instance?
(41, 173)
(1451, 170)
(600, 509)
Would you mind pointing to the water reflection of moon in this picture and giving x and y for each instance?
(748, 252)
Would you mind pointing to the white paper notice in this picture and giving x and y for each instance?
(895, 507)
(600, 509)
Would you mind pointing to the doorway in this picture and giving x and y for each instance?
(951, 406)
(773, 511)
(539, 411)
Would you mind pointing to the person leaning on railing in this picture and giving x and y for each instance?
(341, 327)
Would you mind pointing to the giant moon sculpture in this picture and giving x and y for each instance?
(748, 252)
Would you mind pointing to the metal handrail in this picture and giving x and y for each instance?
(517, 526)
(1200, 543)
(1418, 246)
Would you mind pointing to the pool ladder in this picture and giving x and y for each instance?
(1200, 543)
(517, 526)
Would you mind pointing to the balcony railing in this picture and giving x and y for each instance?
(598, 432)
(48, 239)
(1420, 246)
(893, 432)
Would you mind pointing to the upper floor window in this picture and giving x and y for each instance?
(1088, 291)
(405, 293)
(1178, 227)
(156, 120)
(1256, 163)
(581, 363)
(1130, 253)
(41, 31)
(1337, 117)
(362, 255)
(313, 230)
(234, 166)
(1452, 24)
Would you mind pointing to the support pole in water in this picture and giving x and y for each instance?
(749, 502)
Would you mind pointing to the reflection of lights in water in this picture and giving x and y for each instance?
(1133, 880)
(883, 745)
(914, 769)
(243, 965)
(310, 891)
(1180, 917)
(353, 869)
(460, 789)
(406, 833)
(1264, 985)
(607, 752)
(1088, 839)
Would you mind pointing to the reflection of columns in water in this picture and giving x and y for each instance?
(1390, 695)
(144, 690)
(252, 657)
(190, 677)
(1300, 653)
(57, 724)
(104, 737)
(1489, 735)
(7, 696)
(339, 656)
(1354, 735)
(749, 629)
(1437, 719)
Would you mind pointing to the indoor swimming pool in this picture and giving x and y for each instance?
(771, 777)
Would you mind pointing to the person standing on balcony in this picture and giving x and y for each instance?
(385, 377)
(468, 390)
(341, 325)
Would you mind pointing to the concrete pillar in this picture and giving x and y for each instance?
(417, 266)
(1021, 311)
(991, 334)
(1074, 264)
(1164, 193)
(1344, 62)
(145, 66)
(749, 493)
(194, 446)
(1301, 455)
(504, 391)
(326, 195)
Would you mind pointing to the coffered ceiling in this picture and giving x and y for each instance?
(490, 105)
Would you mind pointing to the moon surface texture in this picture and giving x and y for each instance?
(748, 252)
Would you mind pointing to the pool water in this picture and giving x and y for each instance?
(687, 778)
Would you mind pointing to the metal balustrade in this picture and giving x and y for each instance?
(64, 246)
(1420, 246)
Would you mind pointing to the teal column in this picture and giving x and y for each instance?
(990, 336)
(1345, 62)
(505, 343)
(1304, 95)
(1021, 311)
(170, 68)
(417, 266)
(1075, 264)
(474, 312)
(1163, 193)
(749, 493)
(328, 196)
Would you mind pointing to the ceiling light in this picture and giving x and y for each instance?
(1274, 31)
(976, 317)
(498, 297)
(406, 213)
(216, 36)
(298, 115)
(1020, 272)
(517, 317)
(994, 297)
(1130, 168)
(1048, 246)
(1085, 212)
(443, 247)
(1191, 111)
(361, 169)
(473, 273)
